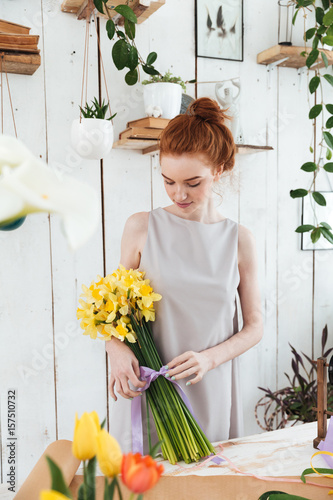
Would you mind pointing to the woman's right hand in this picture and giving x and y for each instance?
(124, 368)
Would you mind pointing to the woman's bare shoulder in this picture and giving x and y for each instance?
(137, 223)
(133, 239)
(246, 243)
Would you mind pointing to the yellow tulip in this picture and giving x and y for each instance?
(52, 495)
(109, 454)
(84, 444)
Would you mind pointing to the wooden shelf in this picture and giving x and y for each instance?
(83, 8)
(150, 146)
(17, 62)
(295, 60)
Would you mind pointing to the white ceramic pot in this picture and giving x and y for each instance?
(92, 138)
(164, 94)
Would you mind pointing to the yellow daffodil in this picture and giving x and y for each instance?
(84, 445)
(51, 495)
(109, 454)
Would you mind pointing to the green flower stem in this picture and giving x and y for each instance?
(85, 479)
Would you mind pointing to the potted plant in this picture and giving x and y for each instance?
(92, 134)
(164, 92)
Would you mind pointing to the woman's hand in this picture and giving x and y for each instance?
(190, 363)
(124, 368)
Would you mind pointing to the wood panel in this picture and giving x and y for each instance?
(26, 339)
(80, 361)
(293, 55)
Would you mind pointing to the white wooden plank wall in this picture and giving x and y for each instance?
(44, 356)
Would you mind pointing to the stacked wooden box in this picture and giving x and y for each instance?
(143, 134)
(18, 49)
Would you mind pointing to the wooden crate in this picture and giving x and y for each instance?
(295, 60)
(83, 8)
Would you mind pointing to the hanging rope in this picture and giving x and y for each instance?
(100, 53)
(84, 89)
(10, 97)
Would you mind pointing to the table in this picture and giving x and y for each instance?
(278, 454)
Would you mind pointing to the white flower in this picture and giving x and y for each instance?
(28, 184)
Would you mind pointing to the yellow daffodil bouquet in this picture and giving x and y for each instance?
(122, 305)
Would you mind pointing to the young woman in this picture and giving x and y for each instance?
(197, 260)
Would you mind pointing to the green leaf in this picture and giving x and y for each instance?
(315, 42)
(310, 33)
(298, 193)
(58, 482)
(319, 16)
(121, 34)
(151, 58)
(310, 166)
(328, 167)
(305, 228)
(103, 423)
(120, 54)
(286, 496)
(311, 471)
(155, 448)
(315, 235)
(133, 59)
(294, 16)
(328, 154)
(266, 495)
(328, 139)
(328, 17)
(327, 234)
(311, 149)
(99, 5)
(314, 82)
(129, 29)
(329, 108)
(131, 77)
(315, 111)
(329, 123)
(324, 58)
(327, 40)
(126, 12)
(321, 30)
(312, 57)
(324, 224)
(319, 198)
(326, 4)
(329, 78)
(110, 28)
(149, 70)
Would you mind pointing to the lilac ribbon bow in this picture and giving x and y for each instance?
(149, 375)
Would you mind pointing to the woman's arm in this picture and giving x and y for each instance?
(124, 365)
(198, 363)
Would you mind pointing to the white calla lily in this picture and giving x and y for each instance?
(28, 185)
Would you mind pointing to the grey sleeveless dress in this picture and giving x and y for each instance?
(194, 267)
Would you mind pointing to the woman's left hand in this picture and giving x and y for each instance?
(190, 363)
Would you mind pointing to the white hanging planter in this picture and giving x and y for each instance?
(166, 95)
(92, 138)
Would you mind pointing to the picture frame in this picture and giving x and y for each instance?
(219, 29)
(323, 214)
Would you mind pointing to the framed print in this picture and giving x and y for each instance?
(323, 214)
(219, 29)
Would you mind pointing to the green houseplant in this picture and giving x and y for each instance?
(295, 402)
(92, 135)
(321, 34)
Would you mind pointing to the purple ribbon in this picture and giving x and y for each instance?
(149, 375)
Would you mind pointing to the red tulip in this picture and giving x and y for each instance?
(140, 473)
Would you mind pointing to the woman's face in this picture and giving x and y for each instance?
(188, 180)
